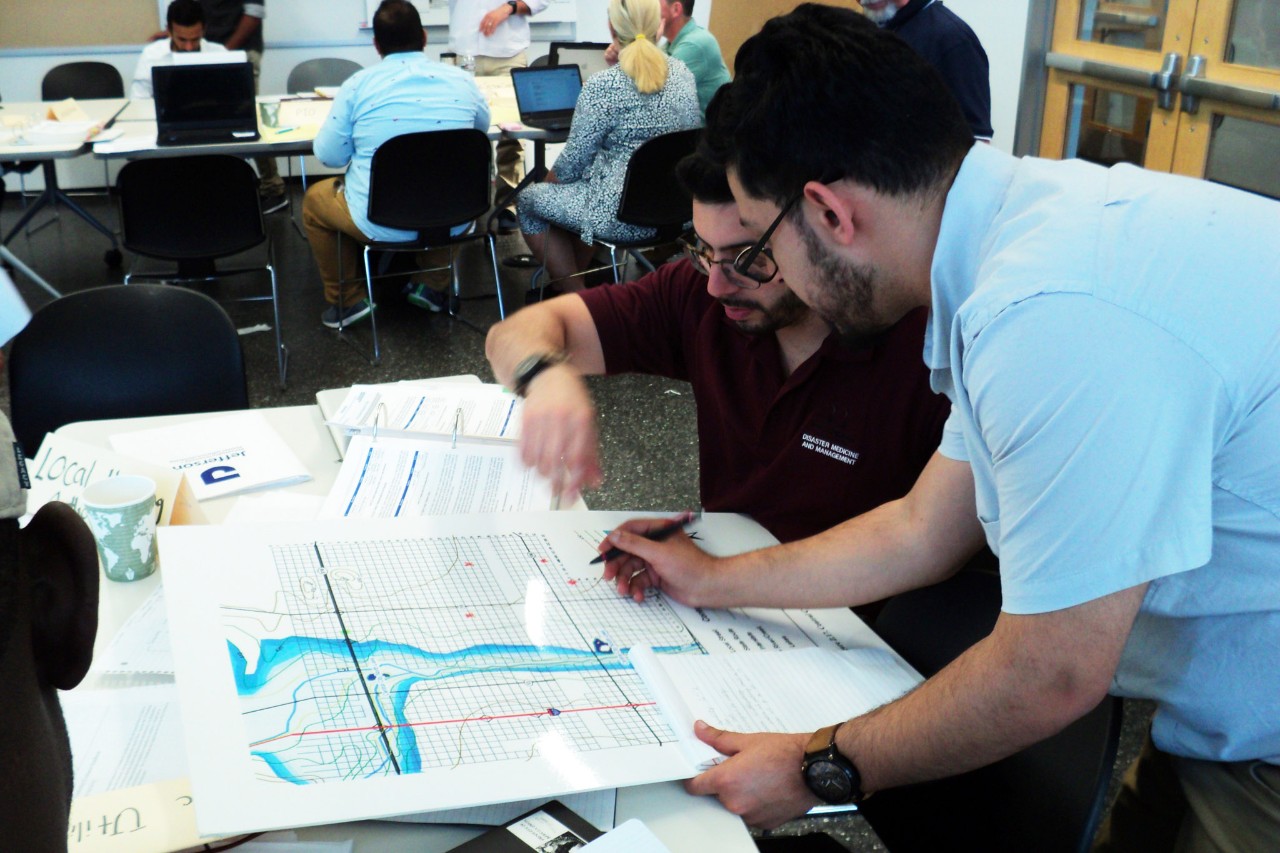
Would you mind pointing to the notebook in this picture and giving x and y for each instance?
(204, 103)
(546, 95)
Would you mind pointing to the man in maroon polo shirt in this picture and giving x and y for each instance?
(794, 429)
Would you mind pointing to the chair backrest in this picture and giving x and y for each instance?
(540, 61)
(431, 181)
(179, 208)
(587, 55)
(651, 195)
(1049, 797)
(123, 351)
(82, 80)
(322, 71)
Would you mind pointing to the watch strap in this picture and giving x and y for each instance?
(528, 370)
(822, 739)
(515, 7)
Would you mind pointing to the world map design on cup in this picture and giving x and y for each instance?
(121, 512)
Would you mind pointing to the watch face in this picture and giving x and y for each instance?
(829, 781)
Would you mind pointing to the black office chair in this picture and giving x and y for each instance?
(121, 352)
(195, 210)
(652, 197)
(405, 193)
(1049, 797)
(82, 80)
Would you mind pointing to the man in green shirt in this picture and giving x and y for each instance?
(695, 47)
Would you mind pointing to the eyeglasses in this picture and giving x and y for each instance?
(762, 269)
(749, 256)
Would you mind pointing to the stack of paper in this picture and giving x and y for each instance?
(225, 455)
(449, 409)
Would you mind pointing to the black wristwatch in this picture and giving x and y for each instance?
(830, 775)
(515, 7)
(529, 368)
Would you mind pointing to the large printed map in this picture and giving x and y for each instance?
(435, 652)
(334, 671)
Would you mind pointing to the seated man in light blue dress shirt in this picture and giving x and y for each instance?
(404, 93)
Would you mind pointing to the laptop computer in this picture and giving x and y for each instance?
(205, 103)
(587, 55)
(546, 95)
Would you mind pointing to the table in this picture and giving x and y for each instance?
(686, 824)
(139, 124)
(47, 153)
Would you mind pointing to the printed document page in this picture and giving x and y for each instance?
(442, 408)
(405, 477)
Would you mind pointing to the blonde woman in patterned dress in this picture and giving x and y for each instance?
(645, 95)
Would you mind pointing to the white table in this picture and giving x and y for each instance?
(686, 824)
(47, 153)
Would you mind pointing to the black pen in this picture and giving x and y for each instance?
(658, 534)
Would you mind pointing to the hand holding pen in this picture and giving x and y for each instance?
(647, 553)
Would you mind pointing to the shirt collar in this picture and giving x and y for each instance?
(906, 13)
(971, 206)
(689, 27)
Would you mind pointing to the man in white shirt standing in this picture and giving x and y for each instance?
(184, 24)
(495, 35)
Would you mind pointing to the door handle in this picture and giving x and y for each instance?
(1194, 87)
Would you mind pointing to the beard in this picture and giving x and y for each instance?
(882, 15)
(788, 309)
(843, 292)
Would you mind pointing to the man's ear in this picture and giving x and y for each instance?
(831, 211)
(61, 562)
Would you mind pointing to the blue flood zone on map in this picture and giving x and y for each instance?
(275, 655)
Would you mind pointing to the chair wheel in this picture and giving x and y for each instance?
(113, 258)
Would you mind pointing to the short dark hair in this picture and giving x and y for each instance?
(397, 27)
(184, 13)
(704, 180)
(823, 94)
(687, 5)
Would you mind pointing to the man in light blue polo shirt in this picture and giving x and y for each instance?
(404, 93)
(1110, 342)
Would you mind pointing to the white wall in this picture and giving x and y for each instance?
(1002, 29)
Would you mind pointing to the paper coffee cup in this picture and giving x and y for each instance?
(121, 512)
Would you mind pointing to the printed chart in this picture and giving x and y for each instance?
(416, 654)
(338, 671)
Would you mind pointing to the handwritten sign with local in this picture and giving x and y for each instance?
(63, 467)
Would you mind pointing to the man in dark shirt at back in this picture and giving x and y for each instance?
(948, 44)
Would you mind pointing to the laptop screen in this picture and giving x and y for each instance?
(546, 89)
(588, 56)
(204, 96)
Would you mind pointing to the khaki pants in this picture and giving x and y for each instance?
(324, 216)
(269, 180)
(509, 156)
(1169, 803)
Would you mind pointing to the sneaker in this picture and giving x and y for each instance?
(424, 296)
(351, 314)
(272, 203)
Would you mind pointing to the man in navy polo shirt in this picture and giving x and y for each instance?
(949, 45)
(795, 429)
